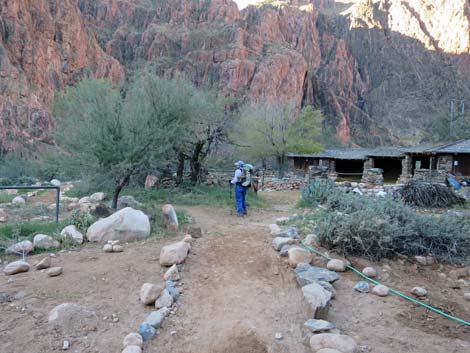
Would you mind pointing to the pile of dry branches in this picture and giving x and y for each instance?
(421, 194)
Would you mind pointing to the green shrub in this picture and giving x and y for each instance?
(28, 230)
(82, 220)
(24, 180)
(317, 192)
(384, 228)
(5, 198)
(6, 182)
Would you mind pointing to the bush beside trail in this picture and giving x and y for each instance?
(384, 228)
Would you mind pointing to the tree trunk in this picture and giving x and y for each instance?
(195, 162)
(119, 186)
(280, 166)
(180, 168)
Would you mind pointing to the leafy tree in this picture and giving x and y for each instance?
(112, 137)
(273, 129)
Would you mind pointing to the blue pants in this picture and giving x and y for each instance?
(240, 195)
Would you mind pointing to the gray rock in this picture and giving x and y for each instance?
(118, 248)
(174, 253)
(370, 272)
(290, 232)
(147, 331)
(317, 326)
(16, 267)
(362, 287)
(336, 265)
(128, 201)
(132, 349)
(174, 292)
(20, 295)
(55, 271)
(419, 291)
(318, 298)
(43, 241)
(165, 300)
(132, 339)
(107, 248)
(155, 319)
(329, 287)
(172, 274)
(285, 250)
(125, 225)
(24, 246)
(381, 290)
(278, 336)
(44, 263)
(274, 229)
(466, 296)
(4, 298)
(342, 343)
(98, 197)
(311, 240)
(280, 242)
(150, 292)
(307, 274)
(72, 316)
(18, 201)
(296, 256)
(72, 233)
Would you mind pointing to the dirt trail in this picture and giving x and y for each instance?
(238, 293)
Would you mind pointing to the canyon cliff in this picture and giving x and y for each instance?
(379, 69)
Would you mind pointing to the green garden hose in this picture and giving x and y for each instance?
(467, 323)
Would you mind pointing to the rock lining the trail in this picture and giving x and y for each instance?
(149, 292)
(16, 267)
(72, 233)
(174, 254)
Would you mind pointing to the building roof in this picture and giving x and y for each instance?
(355, 153)
(462, 146)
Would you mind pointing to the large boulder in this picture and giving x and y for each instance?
(342, 343)
(23, 247)
(174, 253)
(16, 267)
(125, 225)
(72, 233)
(43, 241)
(318, 298)
(72, 317)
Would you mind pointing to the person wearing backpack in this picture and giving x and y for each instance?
(242, 181)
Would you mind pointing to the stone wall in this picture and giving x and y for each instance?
(373, 176)
(431, 176)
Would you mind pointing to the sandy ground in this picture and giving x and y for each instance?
(237, 295)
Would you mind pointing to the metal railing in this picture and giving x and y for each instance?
(57, 188)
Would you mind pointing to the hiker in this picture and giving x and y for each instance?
(242, 181)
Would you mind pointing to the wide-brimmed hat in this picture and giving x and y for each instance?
(239, 163)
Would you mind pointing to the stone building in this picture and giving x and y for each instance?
(397, 164)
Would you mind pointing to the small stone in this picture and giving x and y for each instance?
(44, 263)
(274, 229)
(107, 248)
(290, 232)
(316, 326)
(298, 255)
(282, 220)
(341, 343)
(172, 274)
(311, 240)
(155, 319)
(150, 292)
(419, 291)
(381, 290)
(370, 272)
(147, 331)
(66, 345)
(466, 296)
(118, 248)
(362, 287)
(16, 267)
(165, 300)
(173, 333)
(55, 271)
(421, 260)
(278, 336)
(132, 339)
(132, 349)
(336, 265)
(279, 242)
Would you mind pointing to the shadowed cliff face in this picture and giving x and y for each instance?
(378, 69)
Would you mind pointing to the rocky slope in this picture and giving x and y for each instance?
(380, 69)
